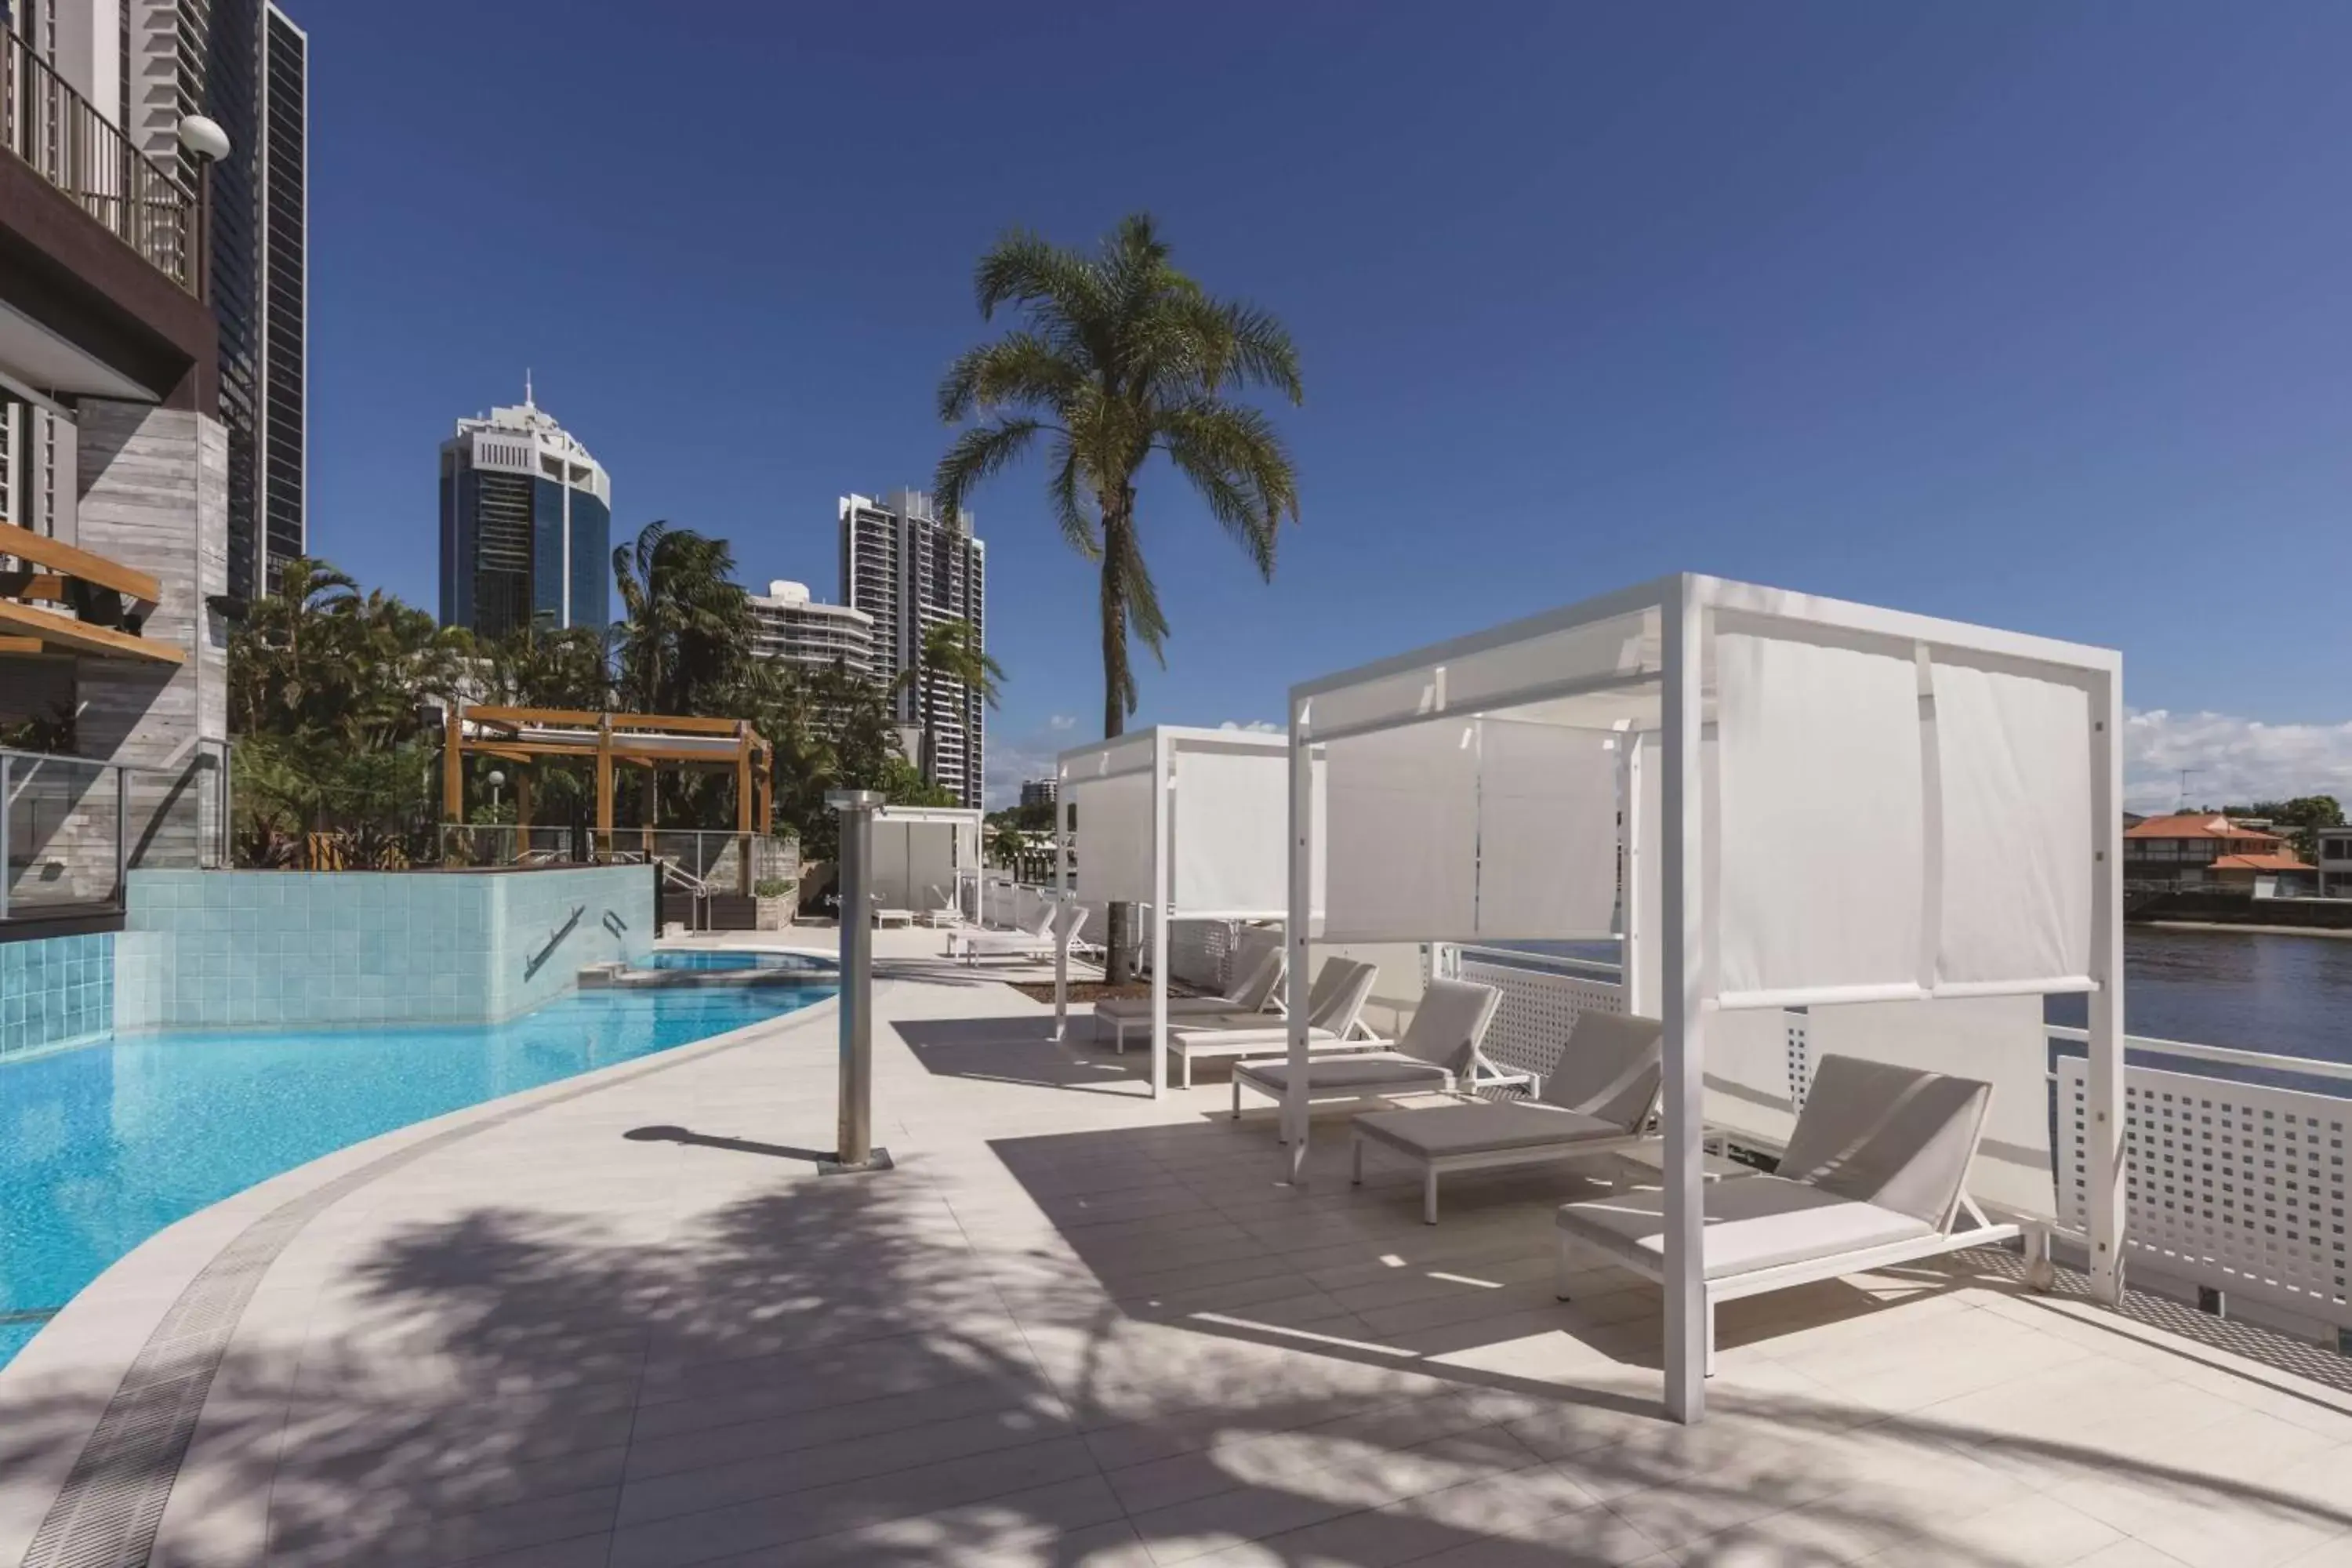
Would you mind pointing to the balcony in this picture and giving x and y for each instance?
(100, 281)
(76, 149)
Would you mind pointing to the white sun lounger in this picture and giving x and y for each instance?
(1035, 942)
(1041, 926)
(944, 910)
(1334, 1004)
(1257, 969)
(1876, 1173)
(1599, 1099)
(1438, 1050)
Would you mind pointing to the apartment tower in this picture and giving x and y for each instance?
(911, 570)
(526, 525)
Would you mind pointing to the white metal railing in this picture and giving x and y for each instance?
(2231, 1185)
(1542, 995)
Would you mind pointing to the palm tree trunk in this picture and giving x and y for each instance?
(1117, 969)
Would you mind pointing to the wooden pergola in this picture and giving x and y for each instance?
(649, 740)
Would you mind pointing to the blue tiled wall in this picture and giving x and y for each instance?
(55, 990)
(276, 949)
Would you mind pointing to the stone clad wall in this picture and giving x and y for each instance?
(153, 495)
(284, 949)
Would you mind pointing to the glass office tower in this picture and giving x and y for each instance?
(526, 526)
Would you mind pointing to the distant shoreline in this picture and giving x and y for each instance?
(2331, 932)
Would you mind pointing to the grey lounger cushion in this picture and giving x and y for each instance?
(1893, 1136)
(1379, 1070)
(1753, 1223)
(1439, 1131)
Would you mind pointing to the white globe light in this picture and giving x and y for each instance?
(203, 138)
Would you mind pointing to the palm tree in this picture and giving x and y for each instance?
(1009, 845)
(687, 621)
(950, 664)
(1119, 355)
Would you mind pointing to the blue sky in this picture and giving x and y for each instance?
(2016, 314)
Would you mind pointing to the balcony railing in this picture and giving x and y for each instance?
(69, 144)
(72, 829)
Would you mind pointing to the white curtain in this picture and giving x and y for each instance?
(887, 879)
(1547, 831)
(1402, 815)
(1113, 841)
(930, 864)
(1820, 822)
(1231, 831)
(2015, 762)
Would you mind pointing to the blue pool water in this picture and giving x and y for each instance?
(700, 958)
(103, 1145)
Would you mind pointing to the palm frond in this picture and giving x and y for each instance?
(974, 455)
(1230, 454)
(1018, 370)
(1069, 509)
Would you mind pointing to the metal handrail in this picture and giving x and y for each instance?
(68, 143)
(698, 890)
(2224, 1055)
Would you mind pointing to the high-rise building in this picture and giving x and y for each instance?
(789, 625)
(245, 64)
(526, 525)
(1035, 792)
(911, 570)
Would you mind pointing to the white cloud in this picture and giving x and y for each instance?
(1255, 727)
(1062, 721)
(2231, 760)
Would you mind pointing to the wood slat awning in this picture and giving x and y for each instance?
(62, 633)
(68, 561)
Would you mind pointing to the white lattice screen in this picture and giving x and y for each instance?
(1537, 1010)
(2237, 1186)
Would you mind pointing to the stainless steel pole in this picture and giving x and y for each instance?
(853, 1148)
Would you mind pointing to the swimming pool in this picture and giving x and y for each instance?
(103, 1145)
(706, 958)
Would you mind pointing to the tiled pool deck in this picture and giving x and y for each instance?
(623, 1323)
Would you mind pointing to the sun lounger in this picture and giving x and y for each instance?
(1334, 1004)
(944, 910)
(1033, 944)
(1041, 928)
(1439, 1051)
(1876, 1173)
(1600, 1098)
(1257, 970)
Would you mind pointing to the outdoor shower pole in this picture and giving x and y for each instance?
(853, 1148)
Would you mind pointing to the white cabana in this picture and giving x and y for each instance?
(917, 848)
(1820, 805)
(1188, 823)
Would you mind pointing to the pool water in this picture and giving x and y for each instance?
(701, 958)
(103, 1145)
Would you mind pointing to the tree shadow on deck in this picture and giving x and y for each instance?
(1107, 1347)
(1019, 1050)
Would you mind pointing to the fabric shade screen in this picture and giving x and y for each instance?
(1113, 837)
(1816, 799)
(1887, 820)
(2013, 753)
(1400, 810)
(1547, 830)
(1229, 832)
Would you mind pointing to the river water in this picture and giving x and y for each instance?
(2255, 991)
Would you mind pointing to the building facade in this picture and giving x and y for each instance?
(113, 620)
(911, 570)
(789, 625)
(1039, 791)
(526, 525)
(247, 64)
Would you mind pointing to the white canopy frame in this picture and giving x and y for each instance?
(1955, 792)
(1190, 822)
(915, 846)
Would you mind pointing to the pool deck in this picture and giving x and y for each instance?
(622, 1322)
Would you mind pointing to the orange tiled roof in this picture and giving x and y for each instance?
(2258, 863)
(2197, 825)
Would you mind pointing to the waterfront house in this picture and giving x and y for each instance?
(2180, 850)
